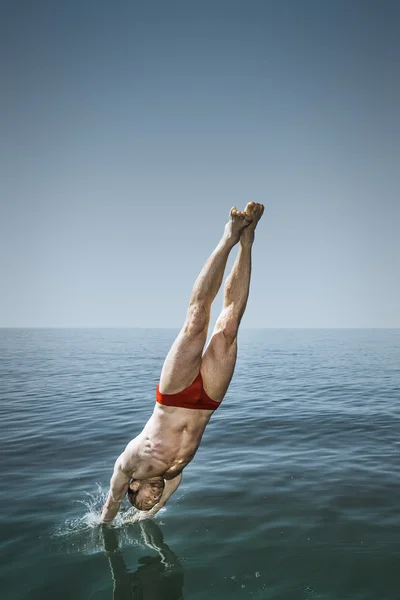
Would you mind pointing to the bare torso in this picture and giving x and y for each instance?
(168, 442)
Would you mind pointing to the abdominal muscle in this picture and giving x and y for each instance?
(168, 442)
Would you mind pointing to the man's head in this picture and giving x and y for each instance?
(144, 494)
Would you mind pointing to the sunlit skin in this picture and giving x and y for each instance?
(151, 465)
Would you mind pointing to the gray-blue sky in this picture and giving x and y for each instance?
(129, 129)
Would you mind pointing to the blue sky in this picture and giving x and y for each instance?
(129, 129)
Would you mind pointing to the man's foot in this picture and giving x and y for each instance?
(255, 211)
(238, 221)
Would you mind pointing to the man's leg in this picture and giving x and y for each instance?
(183, 360)
(220, 356)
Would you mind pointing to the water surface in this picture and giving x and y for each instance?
(294, 492)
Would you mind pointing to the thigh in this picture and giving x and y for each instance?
(182, 364)
(218, 364)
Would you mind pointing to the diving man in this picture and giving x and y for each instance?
(193, 383)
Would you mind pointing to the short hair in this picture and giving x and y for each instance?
(132, 497)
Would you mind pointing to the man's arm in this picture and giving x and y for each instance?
(118, 487)
(171, 485)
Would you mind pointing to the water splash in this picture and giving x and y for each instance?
(84, 533)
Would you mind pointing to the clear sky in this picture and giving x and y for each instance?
(130, 128)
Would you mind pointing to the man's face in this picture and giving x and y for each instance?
(148, 494)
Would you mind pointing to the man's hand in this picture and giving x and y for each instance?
(118, 487)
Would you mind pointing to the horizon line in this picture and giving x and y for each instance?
(179, 327)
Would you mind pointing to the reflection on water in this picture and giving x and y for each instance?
(157, 577)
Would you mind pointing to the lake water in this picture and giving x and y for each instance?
(294, 492)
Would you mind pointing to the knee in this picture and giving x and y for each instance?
(228, 324)
(197, 319)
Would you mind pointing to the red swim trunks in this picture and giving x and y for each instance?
(193, 397)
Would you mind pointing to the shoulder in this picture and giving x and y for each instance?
(129, 458)
(125, 463)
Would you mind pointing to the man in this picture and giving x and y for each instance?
(192, 384)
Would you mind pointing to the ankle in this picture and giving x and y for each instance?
(247, 239)
(229, 239)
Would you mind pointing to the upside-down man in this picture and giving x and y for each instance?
(192, 383)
